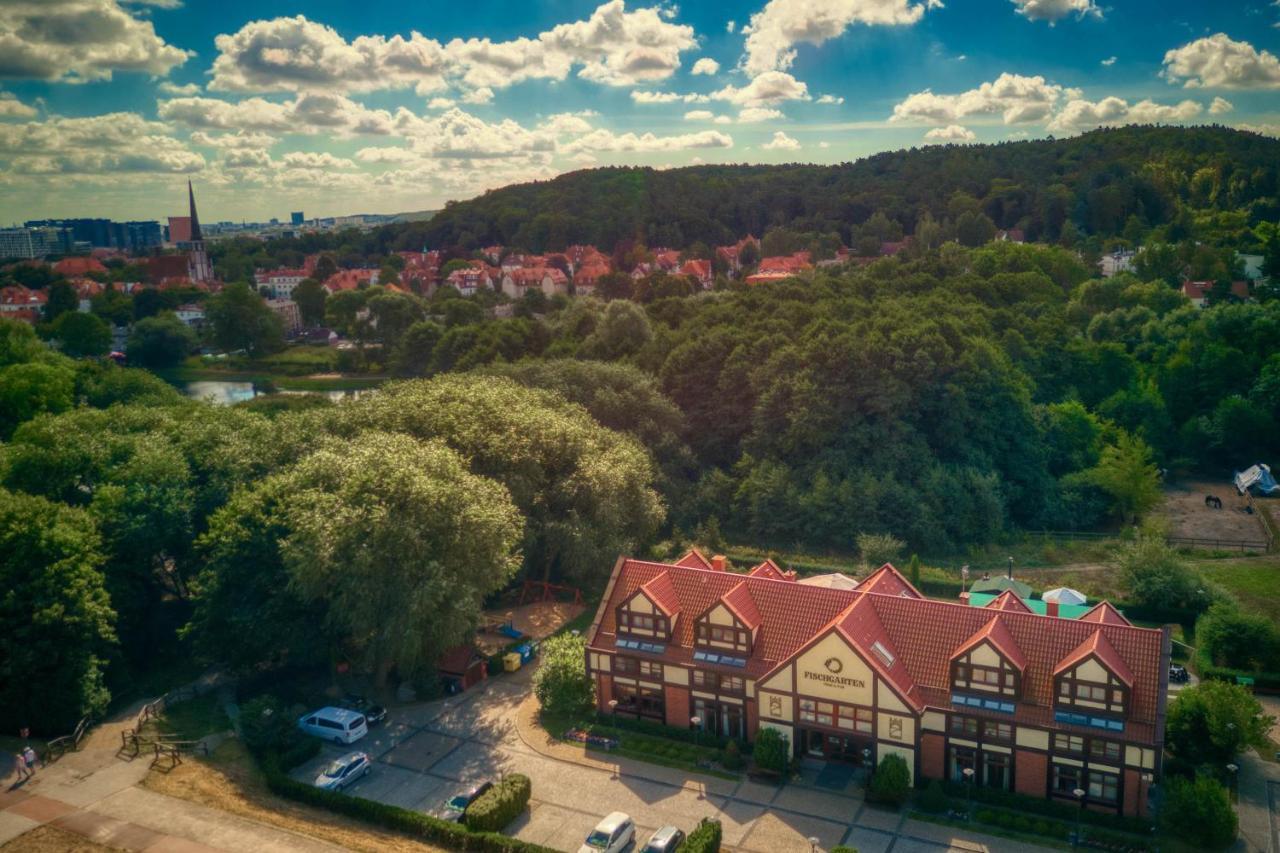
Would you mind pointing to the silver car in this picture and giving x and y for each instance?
(343, 771)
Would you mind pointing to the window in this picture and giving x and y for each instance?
(962, 758)
(1091, 692)
(997, 731)
(1067, 743)
(964, 726)
(1104, 787)
(1065, 779)
(995, 770)
(1104, 750)
(719, 683)
(886, 657)
(835, 715)
(640, 701)
(635, 666)
(722, 635)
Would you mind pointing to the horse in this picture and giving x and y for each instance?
(1213, 501)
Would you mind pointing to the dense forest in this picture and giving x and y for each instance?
(1090, 184)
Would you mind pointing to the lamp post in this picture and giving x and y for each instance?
(696, 722)
(814, 841)
(1011, 568)
(1233, 769)
(968, 778)
(1078, 793)
(613, 711)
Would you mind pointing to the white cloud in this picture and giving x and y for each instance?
(781, 142)
(1079, 114)
(646, 97)
(950, 133)
(750, 115)
(564, 123)
(315, 160)
(1109, 61)
(308, 113)
(605, 140)
(1219, 62)
(776, 29)
(824, 144)
(699, 115)
(228, 141)
(170, 88)
(1264, 129)
(1013, 97)
(766, 89)
(730, 26)
(389, 154)
(483, 95)
(830, 99)
(1054, 10)
(440, 103)
(723, 120)
(705, 65)
(108, 143)
(75, 41)
(613, 46)
(1221, 106)
(11, 107)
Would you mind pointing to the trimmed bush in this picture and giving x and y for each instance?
(732, 758)
(933, 798)
(1198, 812)
(704, 839)
(447, 834)
(501, 804)
(772, 751)
(891, 782)
(1049, 808)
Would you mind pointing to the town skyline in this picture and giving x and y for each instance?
(274, 107)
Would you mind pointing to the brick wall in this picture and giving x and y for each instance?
(933, 760)
(1135, 798)
(604, 691)
(677, 706)
(753, 720)
(1031, 773)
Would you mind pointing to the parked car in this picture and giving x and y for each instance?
(665, 840)
(340, 725)
(611, 835)
(1178, 673)
(345, 770)
(457, 805)
(374, 713)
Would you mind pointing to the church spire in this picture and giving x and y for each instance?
(195, 220)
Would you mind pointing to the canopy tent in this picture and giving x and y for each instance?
(1064, 595)
(1257, 477)
(1065, 611)
(999, 584)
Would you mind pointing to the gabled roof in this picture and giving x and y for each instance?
(1097, 645)
(770, 569)
(861, 626)
(887, 580)
(694, 559)
(997, 634)
(1104, 614)
(741, 605)
(1008, 601)
(662, 594)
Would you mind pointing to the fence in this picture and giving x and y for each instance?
(60, 746)
(131, 740)
(1241, 545)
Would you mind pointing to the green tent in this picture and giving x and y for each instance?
(995, 586)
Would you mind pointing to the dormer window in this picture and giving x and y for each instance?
(729, 626)
(1092, 686)
(650, 612)
(723, 637)
(989, 664)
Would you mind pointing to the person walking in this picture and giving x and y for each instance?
(29, 757)
(21, 761)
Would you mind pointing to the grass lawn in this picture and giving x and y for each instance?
(1252, 580)
(230, 781)
(190, 720)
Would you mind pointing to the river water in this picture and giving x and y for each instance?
(226, 393)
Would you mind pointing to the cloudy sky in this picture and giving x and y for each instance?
(107, 107)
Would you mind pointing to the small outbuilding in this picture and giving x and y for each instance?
(462, 667)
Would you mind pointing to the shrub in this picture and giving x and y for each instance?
(1052, 809)
(704, 839)
(266, 726)
(877, 549)
(1198, 812)
(732, 757)
(933, 798)
(891, 782)
(500, 805)
(772, 751)
(561, 683)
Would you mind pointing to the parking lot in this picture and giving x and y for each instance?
(425, 754)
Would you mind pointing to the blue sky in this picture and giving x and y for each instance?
(107, 107)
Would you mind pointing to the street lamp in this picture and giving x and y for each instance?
(1233, 769)
(1078, 793)
(968, 778)
(814, 841)
(696, 722)
(613, 710)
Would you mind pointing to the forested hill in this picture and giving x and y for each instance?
(1093, 183)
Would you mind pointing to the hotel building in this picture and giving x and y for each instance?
(854, 671)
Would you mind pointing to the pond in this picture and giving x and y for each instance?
(222, 392)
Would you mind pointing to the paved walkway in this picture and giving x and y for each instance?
(1258, 798)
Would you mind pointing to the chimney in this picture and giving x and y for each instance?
(719, 562)
(1051, 608)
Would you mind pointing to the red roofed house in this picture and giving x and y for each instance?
(470, 279)
(517, 282)
(350, 280)
(733, 254)
(588, 276)
(74, 267)
(20, 303)
(851, 673)
(779, 268)
(280, 283)
(700, 271)
(1200, 292)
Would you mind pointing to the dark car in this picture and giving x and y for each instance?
(1178, 674)
(665, 840)
(457, 805)
(373, 712)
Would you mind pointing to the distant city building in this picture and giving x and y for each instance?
(1116, 262)
(135, 237)
(287, 311)
(191, 313)
(296, 218)
(31, 242)
(280, 283)
(179, 229)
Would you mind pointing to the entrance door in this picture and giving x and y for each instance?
(815, 743)
(845, 749)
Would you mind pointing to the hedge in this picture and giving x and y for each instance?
(647, 727)
(1205, 668)
(450, 835)
(1049, 808)
(704, 839)
(497, 807)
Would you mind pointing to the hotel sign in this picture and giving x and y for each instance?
(832, 676)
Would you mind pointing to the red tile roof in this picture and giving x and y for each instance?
(78, 266)
(1097, 645)
(921, 634)
(997, 634)
(888, 581)
(1007, 600)
(694, 560)
(1104, 614)
(663, 595)
(1203, 289)
(770, 569)
(740, 603)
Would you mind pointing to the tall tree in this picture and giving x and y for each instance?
(310, 296)
(81, 335)
(160, 341)
(241, 320)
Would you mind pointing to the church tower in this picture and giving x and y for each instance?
(197, 259)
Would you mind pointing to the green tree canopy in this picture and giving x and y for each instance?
(160, 341)
(1211, 722)
(80, 334)
(240, 320)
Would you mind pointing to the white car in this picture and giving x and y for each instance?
(340, 725)
(344, 771)
(611, 835)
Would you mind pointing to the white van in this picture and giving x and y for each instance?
(339, 725)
